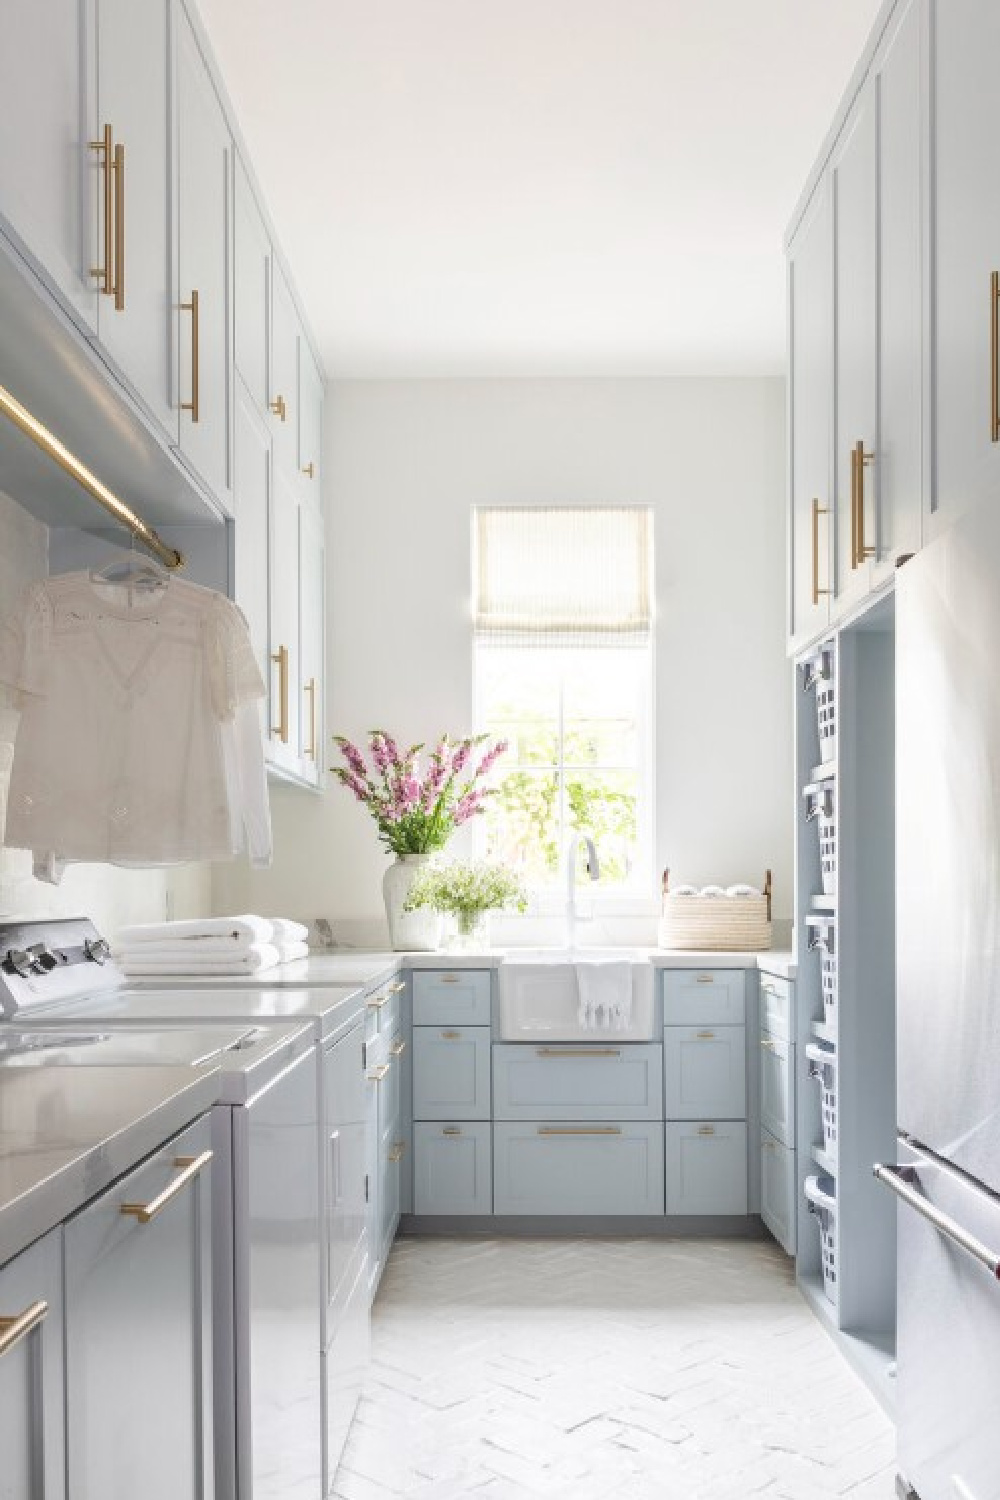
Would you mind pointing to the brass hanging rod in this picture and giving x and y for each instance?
(70, 464)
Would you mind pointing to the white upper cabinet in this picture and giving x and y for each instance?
(312, 584)
(48, 173)
(251, 514)
(310, 422)
(204, 215)
(284, 392)
(810, 275)
(285, 676)
(130, 241)
(966, 256)
(252, 290)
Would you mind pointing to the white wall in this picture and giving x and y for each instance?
(405, 463)
(112, 897)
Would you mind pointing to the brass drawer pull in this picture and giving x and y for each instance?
(397, 988)
(817, 511)
(378, 1074)
(194, 405)
(309, 470)
(190, 1167)
(13, 1330)
(451, 1130)
(279, 408)
(579, 1130)
(398, 1048)
(705, 1036)
(104, 274)
(310, 749)
(280, 659)
(119, 176)
(397, 1150)
(448, 979)
(451, 1036)
(706, 1129)
(377, 1001)
(578, 1052)
(706, 979)
(859, 460)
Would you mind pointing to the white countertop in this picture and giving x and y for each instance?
(348, 966)
(66, 1133)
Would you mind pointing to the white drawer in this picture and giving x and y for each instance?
(578, 1168)
(573, 1082)
(776, 996)
(451, 997)
(706, 1167)
(694, 997)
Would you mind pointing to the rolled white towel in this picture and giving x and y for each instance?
(287, 931)
(712, 891)
(257, 957)
(685, 890)
(289, 952)
(743, 890)
(240, 931)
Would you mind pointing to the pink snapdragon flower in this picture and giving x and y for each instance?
(491, 757)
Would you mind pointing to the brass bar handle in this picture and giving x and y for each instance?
(705, 979)
(578, 1052)
(104, 274)
(579, 1130)
(705, 1036)
(310, 750)
(377, 1001)
(451, 1036)
(13, 1330)
(279, 408)
(398, 1048)
(377, 1075)
(449, 979)
(706, 1129)
(280, 659)
(309, 470)
(817, 511)
(397, 1150)
(397, 988)
(190, 1167)
(194, 405)
(854, 508)
(451, 1130)
(861, 458)
(119, 176)
(995, 356)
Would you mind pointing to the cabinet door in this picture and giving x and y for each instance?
(705, 1072)
(135, 322)
(284, 387)
(251, 289)
(49, 176)
(854, 183)
(453, 1168)
(893, 502)
(578, 1169)
(451, 1073)
(777, 1087)
(312, 634)
(966, 255)
(344, 1168)
(139, 1333)
(777, 1190)
(345, 1362)
(810, 287)
(706, 1168)
(373, 1170)
(283, 588)
(251, 512)
(310, 423)
(204, 212)
(32, 1415)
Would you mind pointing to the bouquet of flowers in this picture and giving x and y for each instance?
(467, 889)
(416, 808)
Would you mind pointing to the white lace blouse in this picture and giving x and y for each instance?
(139, 737)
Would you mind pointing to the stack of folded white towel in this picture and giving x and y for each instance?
(716, 890)
(212, 945)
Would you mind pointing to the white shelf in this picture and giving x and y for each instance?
(825, 1160)
(825, 771)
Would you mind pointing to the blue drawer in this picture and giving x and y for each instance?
(705, 1072)
(700, 997)
(453, 1168)
(574, 1082)
(707, 1168)
(578, 1168)
(451, 1073)
(451, 997)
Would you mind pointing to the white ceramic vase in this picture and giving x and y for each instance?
(409, 931)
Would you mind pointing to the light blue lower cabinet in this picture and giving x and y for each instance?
(705, 1072)
(451, 1072)
(452, 1167)
(32, 1409)
(451, 997)
(706, 1167)
(777, 1190)
(345, 1361)
(562, 1082)
(578, 1168)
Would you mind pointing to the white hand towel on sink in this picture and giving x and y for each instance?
(605, 995)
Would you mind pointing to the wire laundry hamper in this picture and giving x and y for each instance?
(823, 1068)
(821, 807)
(819, 678)
(823, 938)
(821, 1193)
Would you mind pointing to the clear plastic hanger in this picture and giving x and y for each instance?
(139, 571)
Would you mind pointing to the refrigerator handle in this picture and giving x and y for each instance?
(900, 1181)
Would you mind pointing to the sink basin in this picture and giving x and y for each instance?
(540, 1000)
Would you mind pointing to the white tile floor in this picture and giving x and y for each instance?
(591, 1369)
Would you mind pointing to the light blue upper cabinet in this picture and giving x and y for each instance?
(48, 174)
(204, 233)
(251, 290)
(131, 227)
(966, 256)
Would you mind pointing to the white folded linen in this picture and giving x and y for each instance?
(186, 948)
(605, 989)
(287, 931)
(255, 958)
(289, 952)
(239, 930)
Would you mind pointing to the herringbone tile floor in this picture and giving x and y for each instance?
(592, 1369)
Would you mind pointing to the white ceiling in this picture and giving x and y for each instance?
(537, 187)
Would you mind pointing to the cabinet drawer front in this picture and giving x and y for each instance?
(451, 997)
(775, 1005)
(578, 1169)
(451, 1073)
(693, 997)
(777, 1088)
(574, 1082)
(382, 1007)
(777, 1190)
(453, 1168)
(705, 1072)
(344, 1165)
(32, 1422)
(707, 1168)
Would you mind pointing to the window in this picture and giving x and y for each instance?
(563, 669)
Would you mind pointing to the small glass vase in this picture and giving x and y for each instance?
(470, 934)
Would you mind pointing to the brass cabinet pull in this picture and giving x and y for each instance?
(397, 1150)
(194, 405)
(119, 176)
(280, 659)
(579, 1130)
(451, 1036)
(705, 1036)
(104, 274)
(706, 1129)
(13, 1330)
(706, 979)
(817, 511)
(309, 470)
(449, 979)
(377, 1002)
(190, 1167)
(451, 1130)
(310, 749)
(854, 508)
(397, 988)
(578, 1052)
(860, 459)
(378, 1074)
(995, 357)
(398, 1048)
(279, 408)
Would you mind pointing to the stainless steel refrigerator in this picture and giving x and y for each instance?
(948, 1012)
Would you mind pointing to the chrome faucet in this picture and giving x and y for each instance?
(573, 843)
